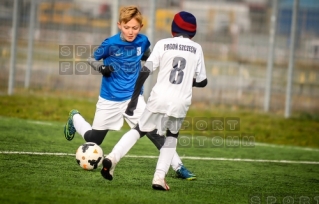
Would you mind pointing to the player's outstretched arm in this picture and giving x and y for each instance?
(144, 73)
(105, 70)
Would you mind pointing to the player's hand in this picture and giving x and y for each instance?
(131, 106)
(129, 111)
(105, 70)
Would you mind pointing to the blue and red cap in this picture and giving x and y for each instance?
(184, 23)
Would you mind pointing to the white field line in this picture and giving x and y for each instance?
(40, 122)
(256, 143)
(234, 159)
(191, 158)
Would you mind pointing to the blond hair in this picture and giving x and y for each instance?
(130, 12)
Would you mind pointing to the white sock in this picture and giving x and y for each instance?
(165, 158)
(176, 162)
(81, 126)
(126, 142)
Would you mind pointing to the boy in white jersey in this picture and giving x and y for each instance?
(121, 55)
(181, 67)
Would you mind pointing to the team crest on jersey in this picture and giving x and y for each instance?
(138, 51)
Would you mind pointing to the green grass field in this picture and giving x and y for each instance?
(33, 171)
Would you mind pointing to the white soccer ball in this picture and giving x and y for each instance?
(89, 156)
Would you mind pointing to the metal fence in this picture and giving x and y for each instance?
(234, 36)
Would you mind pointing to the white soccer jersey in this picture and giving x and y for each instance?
(179, 60)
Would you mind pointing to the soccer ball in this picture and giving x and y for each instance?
(89, 156)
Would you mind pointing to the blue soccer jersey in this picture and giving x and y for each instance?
(125, 57)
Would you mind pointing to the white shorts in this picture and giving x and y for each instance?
(109, 115)
(150, 121)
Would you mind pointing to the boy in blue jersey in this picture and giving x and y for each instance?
(121, 55)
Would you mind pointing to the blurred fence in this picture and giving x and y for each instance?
(234, 36)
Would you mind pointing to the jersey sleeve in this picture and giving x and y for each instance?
(200, 72)
(146, 54)
(147, 44)
(102, 51)
(146, 48)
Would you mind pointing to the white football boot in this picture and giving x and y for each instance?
(108, 167)
(159, 184)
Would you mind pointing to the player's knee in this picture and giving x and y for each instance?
(157, 140)
(137, 128)
(170, 134)
(96, 136)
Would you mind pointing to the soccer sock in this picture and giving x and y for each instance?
(124, 145)
(165, 158)
(158, 141)
(81, 125)
(176, 162)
